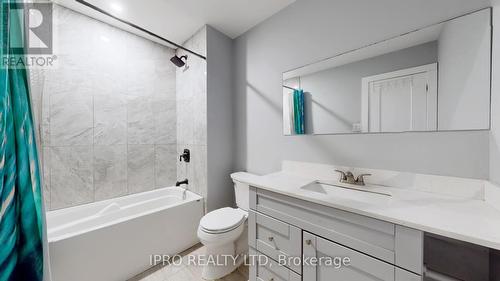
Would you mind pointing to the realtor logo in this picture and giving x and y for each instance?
(32, 34)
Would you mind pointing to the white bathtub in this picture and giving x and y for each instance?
(113, 239)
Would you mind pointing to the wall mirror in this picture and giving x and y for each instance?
(436, 78)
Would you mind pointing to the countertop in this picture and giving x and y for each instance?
(469, 220)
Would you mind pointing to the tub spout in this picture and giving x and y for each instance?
(179, 183)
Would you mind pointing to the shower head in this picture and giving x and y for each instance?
(178, 61)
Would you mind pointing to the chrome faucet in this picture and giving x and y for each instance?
(348, 177)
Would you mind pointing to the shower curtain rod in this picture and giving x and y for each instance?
(93, 7)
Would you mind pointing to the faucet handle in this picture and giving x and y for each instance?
(343, 176)
(361, 178)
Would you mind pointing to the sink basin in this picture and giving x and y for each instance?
(349, 191)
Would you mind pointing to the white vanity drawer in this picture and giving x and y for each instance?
(275, 238)
(266, 269)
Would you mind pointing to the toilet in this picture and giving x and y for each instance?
(224, 233)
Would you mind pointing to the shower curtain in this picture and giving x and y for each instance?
(21, 250)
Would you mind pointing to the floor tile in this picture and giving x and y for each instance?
(187, 272)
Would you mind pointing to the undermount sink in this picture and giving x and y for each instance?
(350, 191)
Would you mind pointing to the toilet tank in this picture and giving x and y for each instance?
(241, 193)
(241, 190)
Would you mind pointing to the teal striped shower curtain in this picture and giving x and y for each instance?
(21, 250)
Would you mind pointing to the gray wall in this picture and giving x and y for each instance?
(204, 117)
(464, 73)
(107, 113)
(495, 100)
(310, 30)
(219, 119)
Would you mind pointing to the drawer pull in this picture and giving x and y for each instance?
(270, 238)
(308, 242)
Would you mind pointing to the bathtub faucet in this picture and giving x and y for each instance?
(179, 183)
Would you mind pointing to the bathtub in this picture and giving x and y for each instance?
(114, 239)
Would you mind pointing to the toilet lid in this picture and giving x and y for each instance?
(222, 220)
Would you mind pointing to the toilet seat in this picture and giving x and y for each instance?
(222, 220)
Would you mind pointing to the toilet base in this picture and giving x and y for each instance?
(229, 256)
(224, 261)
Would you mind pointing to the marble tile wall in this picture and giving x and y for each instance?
(191, 84)
(107, 113)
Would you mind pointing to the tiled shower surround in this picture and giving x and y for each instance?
(107, 113)
(192, 113)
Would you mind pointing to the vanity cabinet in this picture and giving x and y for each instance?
(284, 229)
(274, 238)
(360, 267)
(269, 270)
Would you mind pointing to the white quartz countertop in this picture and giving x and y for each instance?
(469, 220)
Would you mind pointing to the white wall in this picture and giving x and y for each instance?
(310, 30)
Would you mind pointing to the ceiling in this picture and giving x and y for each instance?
(177, 20)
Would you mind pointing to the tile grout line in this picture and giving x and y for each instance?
(49, 142)
(127, 190)
(93, 150)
